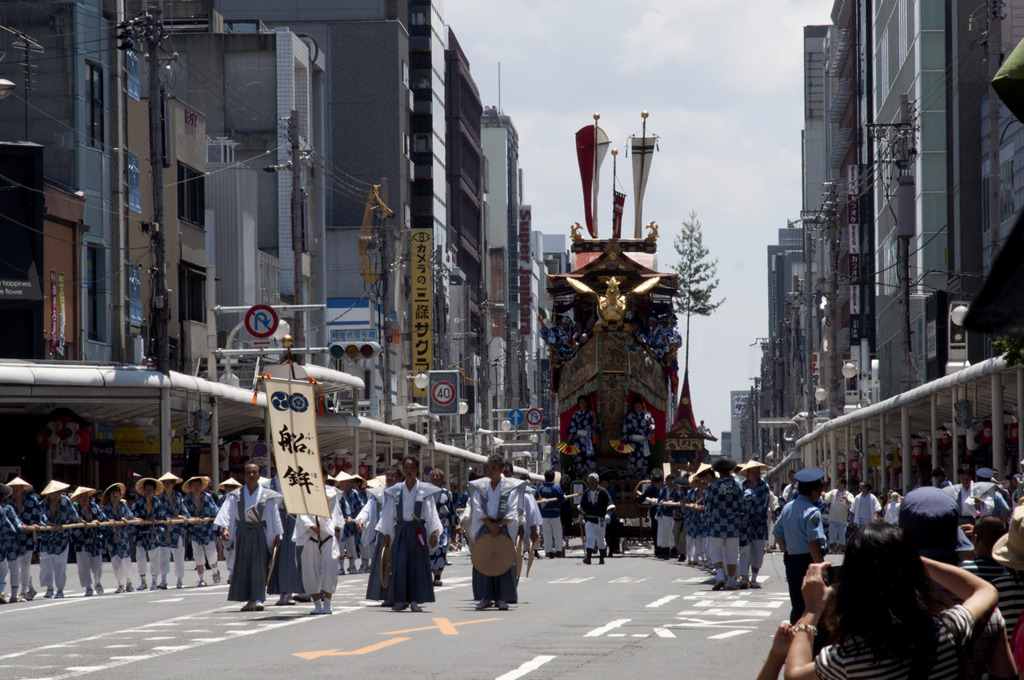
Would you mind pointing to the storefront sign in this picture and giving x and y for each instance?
(422, 302)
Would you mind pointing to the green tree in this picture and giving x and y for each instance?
(698, 277)
(1012, 347)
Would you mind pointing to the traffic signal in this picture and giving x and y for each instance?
(354, 350)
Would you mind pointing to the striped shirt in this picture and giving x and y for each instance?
(852, 659)
(985, 568)
(1011, 597)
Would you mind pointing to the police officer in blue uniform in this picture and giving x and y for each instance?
(800, 533)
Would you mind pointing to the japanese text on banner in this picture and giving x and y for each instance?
(422, 244)
(291, 411)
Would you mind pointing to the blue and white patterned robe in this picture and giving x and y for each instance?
(449, 520)
(696, 520)
(10, 527)
(54, 542)
(352, 503)
(581, 430)
(668, 494)
(757, 500)
(636, 430)
(31, 513)
(726, 508)
(564, 342)
(173, 531)
(201, 533)
(119, 539)
(657, 339)
(150, 537)
(90, 541)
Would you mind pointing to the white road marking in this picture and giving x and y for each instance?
(723, 611)
(616, 635)
(120, 661)
(640, 635)
(161, 637)
(731, 633)
(664, 600)
(597, 632)
(170, 599)
(531, 665)
(581, 579)
(628, 579)
(664, 633)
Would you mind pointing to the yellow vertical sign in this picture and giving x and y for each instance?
(422, 302)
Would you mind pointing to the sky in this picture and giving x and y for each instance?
(722, 81)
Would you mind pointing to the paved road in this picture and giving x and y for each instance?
(634, 615)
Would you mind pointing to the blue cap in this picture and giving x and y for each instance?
(985, 473)
(809, 475)
(930, 517)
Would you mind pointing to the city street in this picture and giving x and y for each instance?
(634, 615)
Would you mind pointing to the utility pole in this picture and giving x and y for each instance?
(830, 368)
(153, 32)
(298, 233)
(906, 228)
(385, 294)
(994, 55)
(149, 27)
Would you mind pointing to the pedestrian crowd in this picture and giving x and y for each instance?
(928, 585)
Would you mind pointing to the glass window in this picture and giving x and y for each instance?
(95, 76)
(191, 195)
(92, 293)
(193, 294)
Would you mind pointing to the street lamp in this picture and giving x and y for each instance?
(956, 359)
(421, 380)
(820, 394)
(958, 314)
(849, 370)
(6, 88)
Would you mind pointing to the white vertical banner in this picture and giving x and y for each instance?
(291, 410)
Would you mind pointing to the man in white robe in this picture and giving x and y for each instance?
(410, 526)
(494, 508)
(250, 517)
(317, 538)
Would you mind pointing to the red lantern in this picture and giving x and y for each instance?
(83, 441)
(1013, 433)
(945, 441)
(919, 453)
(986, 432)
(854, 465)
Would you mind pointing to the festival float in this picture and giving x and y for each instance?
(613, 339)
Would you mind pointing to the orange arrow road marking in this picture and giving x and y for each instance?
(309, 656)
(444, 625)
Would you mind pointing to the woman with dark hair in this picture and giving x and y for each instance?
(882, 615)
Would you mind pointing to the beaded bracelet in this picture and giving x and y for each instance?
(801, 627)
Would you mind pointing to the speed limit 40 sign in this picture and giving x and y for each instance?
(443, 393)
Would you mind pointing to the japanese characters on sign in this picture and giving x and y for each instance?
(525, 270)
(422, 301)
(291, 412)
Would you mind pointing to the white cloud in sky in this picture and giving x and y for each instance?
(723, 82)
